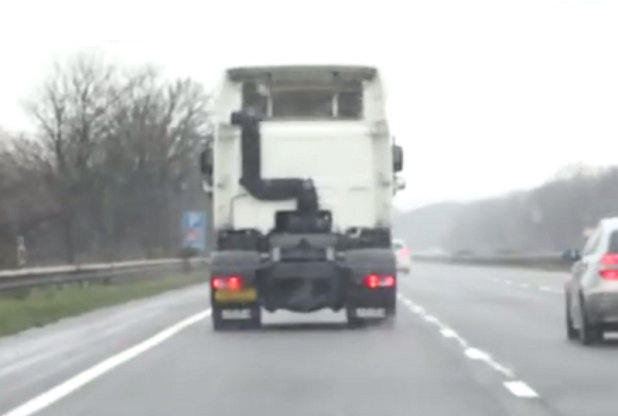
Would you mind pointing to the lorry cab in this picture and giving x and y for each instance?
(302, 170)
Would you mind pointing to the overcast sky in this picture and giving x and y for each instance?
(485, 96)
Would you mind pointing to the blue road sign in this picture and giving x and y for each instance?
(194, 230)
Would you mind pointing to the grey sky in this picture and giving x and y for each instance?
(486, 96)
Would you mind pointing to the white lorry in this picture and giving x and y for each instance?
(302, 170)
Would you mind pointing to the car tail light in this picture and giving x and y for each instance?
(609, 266)
(227, 283)
(374, 281)
(405, 252)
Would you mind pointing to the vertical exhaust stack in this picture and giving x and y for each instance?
(303, 190)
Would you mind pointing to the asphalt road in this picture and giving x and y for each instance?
(468, 341)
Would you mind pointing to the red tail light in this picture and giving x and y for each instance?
(374, 281)
(234, 283)
(609, 266)
(405, 252)
(610, 259)
(609, 274)
(227, 283)
(389, 281)
(218, 283)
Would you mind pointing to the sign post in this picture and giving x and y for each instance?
(194, 230)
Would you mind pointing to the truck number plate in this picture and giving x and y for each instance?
(370, 312)
(236, 314)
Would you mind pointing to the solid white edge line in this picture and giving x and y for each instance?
(67, 387)
(520, 389)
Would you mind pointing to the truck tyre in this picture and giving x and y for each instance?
(256, 317)
(353, 320)
(218, 323)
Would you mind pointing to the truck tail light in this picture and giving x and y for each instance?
(218, 283)
(375, 281)
(234, 282)
(227, 283)
(609, 266)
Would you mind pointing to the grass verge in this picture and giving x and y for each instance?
(47, 305)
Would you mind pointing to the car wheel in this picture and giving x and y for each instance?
(589, 332)
(572, 332)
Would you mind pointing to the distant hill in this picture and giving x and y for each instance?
(426, 228)
(552, 217)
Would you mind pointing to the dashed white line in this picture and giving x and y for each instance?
(448, 333)
(520, 389)
(476, 354)
(516, 387)
(62, 390)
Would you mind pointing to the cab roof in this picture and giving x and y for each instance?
(354, 71)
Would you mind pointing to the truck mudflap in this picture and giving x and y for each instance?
(372, 286)
(234, 296)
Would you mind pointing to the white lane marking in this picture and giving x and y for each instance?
(524, 285)
(62, 390)
(550, 290)
(476, 354)
(508, 283)
(517, 388)
(520, 389)
(448, 333)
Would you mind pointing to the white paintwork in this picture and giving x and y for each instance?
(350, 163)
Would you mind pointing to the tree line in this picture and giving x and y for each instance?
(552, 217)
(109, 169)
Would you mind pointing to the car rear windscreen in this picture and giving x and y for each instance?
(613, 243)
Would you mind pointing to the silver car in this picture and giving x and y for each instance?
(402, 255)
(592, 291)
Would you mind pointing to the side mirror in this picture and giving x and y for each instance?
(571, 256)
(397, 158)
(400, 183)
(206, 166)
(206, 162)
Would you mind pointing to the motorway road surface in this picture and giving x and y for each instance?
(468, 341)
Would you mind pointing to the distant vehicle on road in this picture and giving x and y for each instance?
(592, 292)
(402, 254)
